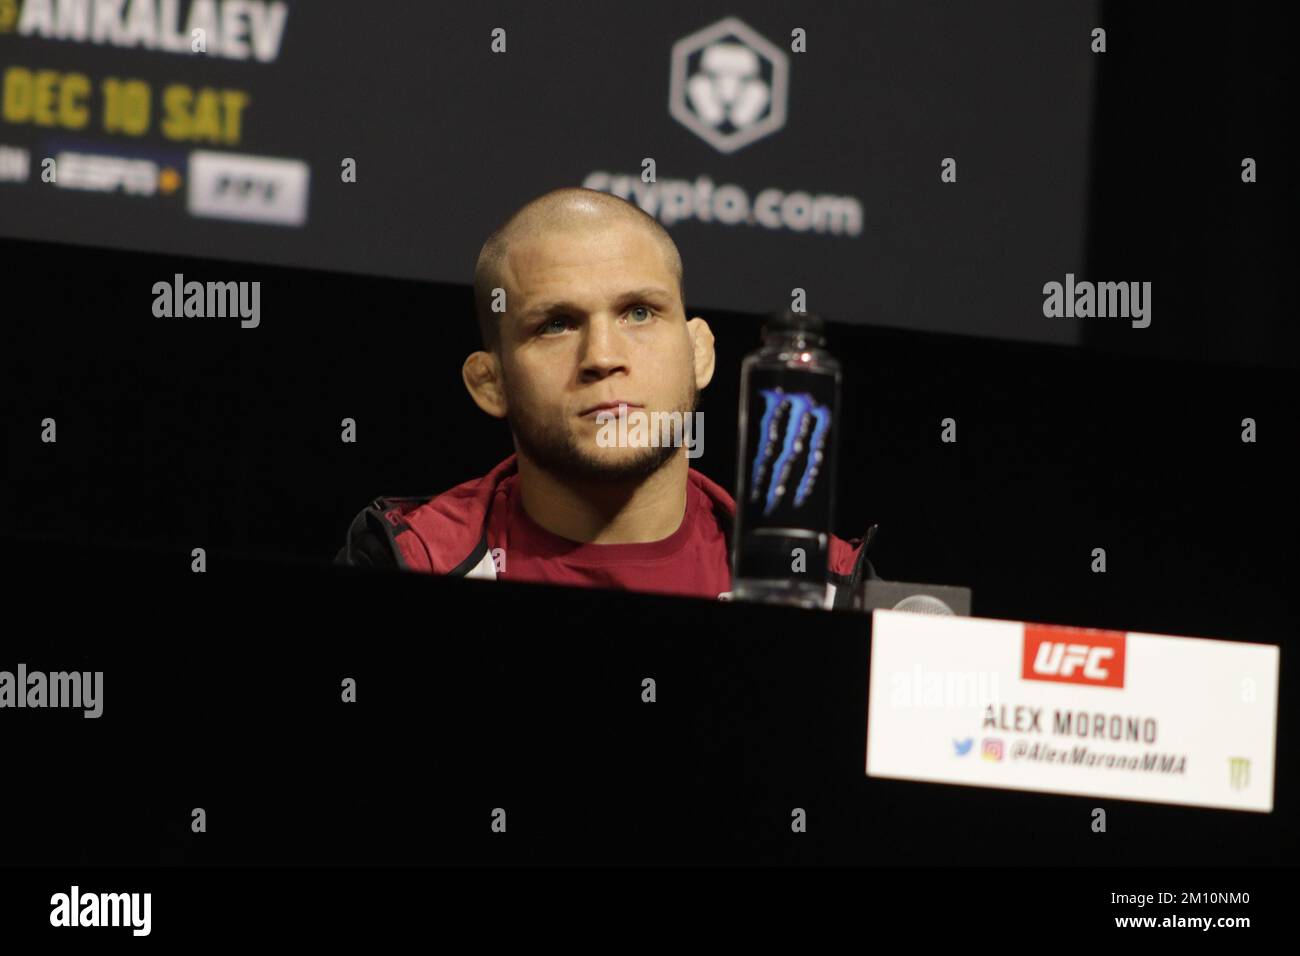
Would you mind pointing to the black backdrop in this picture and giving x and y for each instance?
(176, 433)
(1181, 100)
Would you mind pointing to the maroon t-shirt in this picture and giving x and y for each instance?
(692, 561)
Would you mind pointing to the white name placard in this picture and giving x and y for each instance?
(1069, 710)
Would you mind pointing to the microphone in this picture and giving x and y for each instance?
(915, 598)
(923, 604)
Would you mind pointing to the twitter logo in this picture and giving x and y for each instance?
(963, 746)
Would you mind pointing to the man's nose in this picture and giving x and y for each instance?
(602, 346)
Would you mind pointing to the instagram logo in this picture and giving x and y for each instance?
(991, 749)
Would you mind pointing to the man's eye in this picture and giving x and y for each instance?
(643, 308)
(550, 324)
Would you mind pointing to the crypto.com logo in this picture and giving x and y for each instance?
(728, 85)
(806, 424)
(1073, 655)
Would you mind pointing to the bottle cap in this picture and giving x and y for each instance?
(788, 321)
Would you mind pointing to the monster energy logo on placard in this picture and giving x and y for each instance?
(782, 441)
(1238, 772)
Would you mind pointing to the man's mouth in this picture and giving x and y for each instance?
(612, 407)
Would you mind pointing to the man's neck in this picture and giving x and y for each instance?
(606, 513)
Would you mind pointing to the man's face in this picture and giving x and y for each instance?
(593, 316)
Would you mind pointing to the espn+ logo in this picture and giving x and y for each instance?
(1073, 655)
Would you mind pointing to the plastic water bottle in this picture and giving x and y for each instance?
(789, 429)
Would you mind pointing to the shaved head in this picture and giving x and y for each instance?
(567, 210)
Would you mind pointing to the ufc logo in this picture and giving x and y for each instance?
(1062, 659)
(1074, 655)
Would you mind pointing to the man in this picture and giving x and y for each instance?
(589, 317)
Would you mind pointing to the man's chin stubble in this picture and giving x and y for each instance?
(567, 460)
(629, 468)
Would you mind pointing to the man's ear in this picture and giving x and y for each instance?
(482, 376)
(702, 347)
